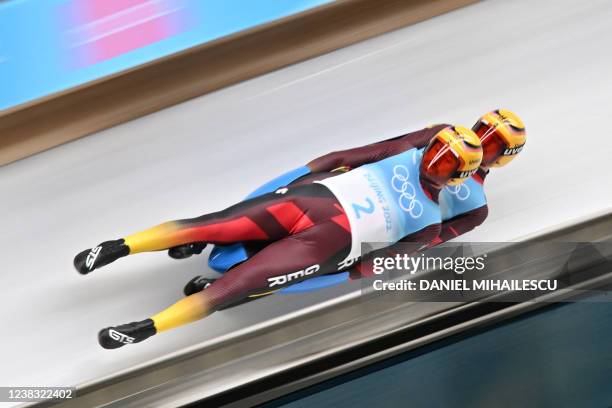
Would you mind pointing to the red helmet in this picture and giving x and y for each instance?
(453, 155)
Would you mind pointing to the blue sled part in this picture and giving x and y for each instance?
(280, 181)
(316, 283)
(223, 257)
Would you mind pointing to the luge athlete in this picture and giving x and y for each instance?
(463, 206)
(308, 229)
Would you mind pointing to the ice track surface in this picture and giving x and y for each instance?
(548, 60)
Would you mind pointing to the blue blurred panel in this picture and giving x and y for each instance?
(559, 357)
(48, 46)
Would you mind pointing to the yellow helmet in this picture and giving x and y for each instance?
(502, 134)
(453, 155)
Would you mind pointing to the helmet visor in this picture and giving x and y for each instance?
(493, 145)
(439, 163)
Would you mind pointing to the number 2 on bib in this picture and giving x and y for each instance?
(362, 209)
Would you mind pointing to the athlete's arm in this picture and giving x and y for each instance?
(461, 224)
(358, 156)
(352, 158)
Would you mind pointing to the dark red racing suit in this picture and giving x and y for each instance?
(349, 159)
(295, 233)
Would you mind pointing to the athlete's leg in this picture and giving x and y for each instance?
(222, 258)
(265, 218)
(313, 251)
(427, 236)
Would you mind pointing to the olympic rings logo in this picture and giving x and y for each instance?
(461, 191)
(407, 201)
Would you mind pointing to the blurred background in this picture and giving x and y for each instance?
(54, 45)
(118, 115)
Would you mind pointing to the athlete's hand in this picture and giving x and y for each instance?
(187, 250)
(197, 284)
(103, 254)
